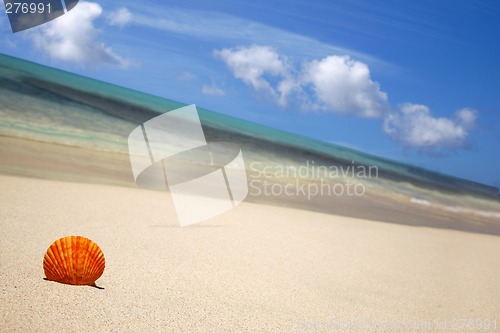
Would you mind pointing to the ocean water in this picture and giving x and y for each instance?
(44, 104)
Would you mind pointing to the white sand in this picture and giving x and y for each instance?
(256, 268)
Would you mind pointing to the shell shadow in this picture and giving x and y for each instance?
(190, 226)
(94, 285)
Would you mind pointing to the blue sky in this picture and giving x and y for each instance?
(415, 81)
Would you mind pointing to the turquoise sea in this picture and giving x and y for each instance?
(39, 103)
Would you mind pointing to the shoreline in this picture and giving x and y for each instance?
(28, 158)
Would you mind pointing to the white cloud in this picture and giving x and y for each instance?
(120, 17)
(343, 85)
(339, 84)
(212, 90)
(256, 66)
(186, 76)
(71, 38)
(414, 126)
(466, 117)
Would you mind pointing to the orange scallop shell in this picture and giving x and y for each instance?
(74, 260)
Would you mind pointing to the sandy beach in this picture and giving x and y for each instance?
(257, 268)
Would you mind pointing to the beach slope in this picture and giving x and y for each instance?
(256, 268)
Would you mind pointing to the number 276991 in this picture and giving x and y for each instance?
(27, 8)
